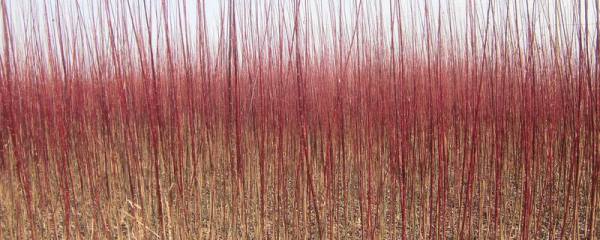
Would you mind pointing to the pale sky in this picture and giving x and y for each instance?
(27, 15)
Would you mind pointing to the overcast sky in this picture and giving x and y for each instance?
(28, 15)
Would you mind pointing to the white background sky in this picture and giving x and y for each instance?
(25, 14)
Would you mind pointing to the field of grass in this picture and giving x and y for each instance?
(299, 119)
